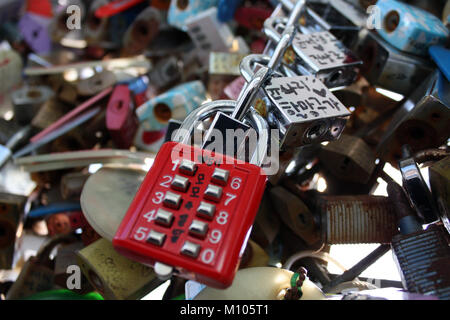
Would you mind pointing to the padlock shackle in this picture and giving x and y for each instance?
(295, 13)
(287, 4)
(282, 46)
(249, 92)
(262, 127)
(270, 27)
(203, 112)
(208, 109)
(249, 62)
(285, 39)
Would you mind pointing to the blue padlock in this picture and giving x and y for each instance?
(181, 10)
(175, 103)
(441, 56)
(410, 29)
(226, 9)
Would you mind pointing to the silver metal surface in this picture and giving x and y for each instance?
(164, 218)
(220, 176)
(213, 193)
(156, 237)
(198, 228)
(172, 200)
(188, 167)
(180, 183)
(206, 210)
(305, 110)
(190, 249)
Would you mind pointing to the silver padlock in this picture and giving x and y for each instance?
(305, 111)
(318, 53)
(343, 20)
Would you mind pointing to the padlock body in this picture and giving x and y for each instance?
(228, 228)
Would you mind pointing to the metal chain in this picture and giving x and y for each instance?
(254, 80)
(260, 77)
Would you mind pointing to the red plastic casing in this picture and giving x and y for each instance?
(216, 263)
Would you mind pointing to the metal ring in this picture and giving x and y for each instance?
(248, 64)
(280, 49)
(270, 27)
(262, 128)
(249, 92)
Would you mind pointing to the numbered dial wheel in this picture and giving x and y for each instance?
(193, 211)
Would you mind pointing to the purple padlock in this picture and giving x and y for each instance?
(35, 30)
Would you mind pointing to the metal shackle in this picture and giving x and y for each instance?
(207, 110)
(271, 26)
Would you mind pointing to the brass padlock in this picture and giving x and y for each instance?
(439, 174)
(11, 213)
(37, 274)
(114, 276)
(349, 159)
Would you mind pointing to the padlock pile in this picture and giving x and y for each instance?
(223, 144)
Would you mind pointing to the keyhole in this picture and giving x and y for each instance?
(417, 133)
(143, 29)
(182, 4)
(391, 21)
(162, 112)
(119, 105)
(302, 219)
(345, 164)
(35, 34)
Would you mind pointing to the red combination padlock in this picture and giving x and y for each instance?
(193, 212)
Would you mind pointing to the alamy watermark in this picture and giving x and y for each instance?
(74, 17)
(374, 17)
(73, 21)
(73, 281)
